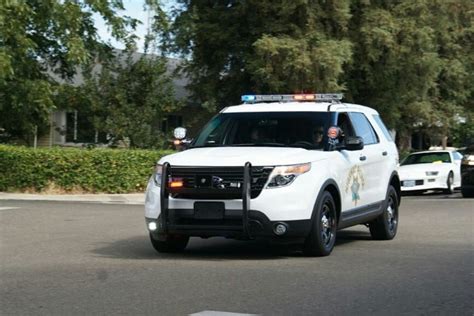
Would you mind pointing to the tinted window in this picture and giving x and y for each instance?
(382, 126)
(437, 157)
(345, 125)
(278, 129)
(363, 128)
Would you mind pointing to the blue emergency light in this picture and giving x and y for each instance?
(248, 98)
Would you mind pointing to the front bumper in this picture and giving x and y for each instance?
(243, 218)
(182, 222)
(424, 184)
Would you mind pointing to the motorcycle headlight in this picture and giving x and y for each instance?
(157, 175)
(432, 173)
(284, 175)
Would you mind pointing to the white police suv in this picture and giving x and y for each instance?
(291, 168)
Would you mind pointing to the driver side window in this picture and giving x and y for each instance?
(344, 123)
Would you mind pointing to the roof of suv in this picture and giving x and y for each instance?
(297, 107)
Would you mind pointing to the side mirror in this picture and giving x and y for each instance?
(179, 133)
(353, 143)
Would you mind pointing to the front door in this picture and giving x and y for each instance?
(356, 184)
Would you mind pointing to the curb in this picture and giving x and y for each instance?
(135, 198)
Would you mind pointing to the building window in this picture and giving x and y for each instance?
(79, 129)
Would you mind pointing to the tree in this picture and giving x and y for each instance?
(410, 59)
(413, 62)
(129, 96)
(235, 47)
(50, 35)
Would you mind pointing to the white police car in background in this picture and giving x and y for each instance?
(292, 168)
(431, 170)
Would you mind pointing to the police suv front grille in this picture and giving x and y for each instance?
(216, 182)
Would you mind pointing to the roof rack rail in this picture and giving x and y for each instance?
(318, 97)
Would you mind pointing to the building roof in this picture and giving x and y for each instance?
(172, 64)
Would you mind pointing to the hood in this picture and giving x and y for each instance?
(238, 156)
(419, 170)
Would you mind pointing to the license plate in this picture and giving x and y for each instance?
(409, 183)
(209, 210)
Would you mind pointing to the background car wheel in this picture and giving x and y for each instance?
(169, 243)
(322, 238)
(467, 193)
(385, 226)
(449, 183)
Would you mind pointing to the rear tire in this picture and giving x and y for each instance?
(322, 238)
(385, 226)
(449, 183)
(169, 243)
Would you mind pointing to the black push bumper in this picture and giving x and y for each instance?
(242, 223)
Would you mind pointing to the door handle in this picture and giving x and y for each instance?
(384, 153)
(362, 158)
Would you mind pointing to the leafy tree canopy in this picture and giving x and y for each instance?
(49, 35)
(129, 98)
(261, 46)
(410, 59)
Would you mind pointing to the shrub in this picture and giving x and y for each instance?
(73, 169)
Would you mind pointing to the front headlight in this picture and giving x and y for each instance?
(157, 175)
(285, 175)
(432, 173)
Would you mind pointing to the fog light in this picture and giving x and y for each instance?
(280, 229)
(152, 226)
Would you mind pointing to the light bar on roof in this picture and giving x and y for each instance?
(248, 98)
(252, 98)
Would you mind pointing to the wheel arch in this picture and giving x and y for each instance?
(331, 186)
(395, 182)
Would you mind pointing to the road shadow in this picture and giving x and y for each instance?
(214, 249)
(347, 236)
(434, 194)
(140, 248)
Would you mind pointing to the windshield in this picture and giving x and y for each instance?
(274, 129)
(427, 158)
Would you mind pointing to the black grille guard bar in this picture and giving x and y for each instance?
(164, 197)
(246, 189)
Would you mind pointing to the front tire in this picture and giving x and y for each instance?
(169, 243)
(322, 238)
(385, 226)
(449, 184)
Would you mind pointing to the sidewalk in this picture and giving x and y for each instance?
(134, 198)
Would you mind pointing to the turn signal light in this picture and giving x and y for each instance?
(176, 183)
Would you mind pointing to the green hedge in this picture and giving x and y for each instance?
(73, 169)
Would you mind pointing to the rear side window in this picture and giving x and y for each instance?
(363, 128)
(382, 126)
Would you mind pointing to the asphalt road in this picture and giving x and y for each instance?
(86, 259)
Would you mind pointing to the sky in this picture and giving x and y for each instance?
(134, 9)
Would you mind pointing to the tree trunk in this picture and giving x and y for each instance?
(404, 141)
(444, 141)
